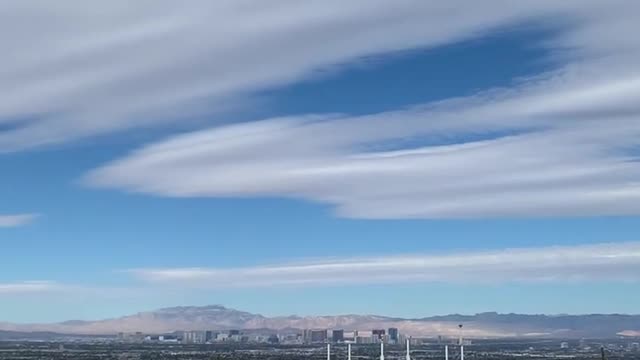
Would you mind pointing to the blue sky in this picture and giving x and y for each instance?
(401, 160)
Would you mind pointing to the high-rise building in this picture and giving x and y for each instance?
(187, 337)
(363, 340)
(193, 337)
(273, 339)
(393, 335)
(377, 334)
(318, 336)
(337, 336)
(306, 336)
(209, 336)
(402, 338)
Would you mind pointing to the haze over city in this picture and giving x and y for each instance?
(403, 159)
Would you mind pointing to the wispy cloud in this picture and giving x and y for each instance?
(561, 144)
(16, 220)
(606, 262)
(572, 149)
(568, 155)
(29, 287)
(77, 72)
(35, 288)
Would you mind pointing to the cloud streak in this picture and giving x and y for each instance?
(16, 220)
(35, 288)
(563, 143)
(542, 150)
(600, 262)
(72, 71)
(29, 287)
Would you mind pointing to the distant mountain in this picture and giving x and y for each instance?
(43, 335)
(217, 317)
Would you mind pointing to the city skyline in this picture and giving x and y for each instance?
(194, 324)
(400, 158)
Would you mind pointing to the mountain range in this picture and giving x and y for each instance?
(217, 317)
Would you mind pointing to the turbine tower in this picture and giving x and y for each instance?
(408, 351)
(381, 351)
(461, 344)
(349, 351)
(328, 351)
(446, 352)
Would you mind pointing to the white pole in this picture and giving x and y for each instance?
(381, 351)
(408, 351)
(349, 347)
(328, 351)
(461, 343)
(446, 352)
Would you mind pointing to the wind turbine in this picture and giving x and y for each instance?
(461, 344)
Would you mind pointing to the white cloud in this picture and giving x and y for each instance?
(71, 71)
(605, 262)
(555, 163)
(74, 70)
(29, 287)
(15, 220)
(35, 288)
(560, 144)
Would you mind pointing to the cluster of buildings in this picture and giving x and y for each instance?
(586, 346)
(230, 336)
(306, 337)
(375, 336)
(200, 337)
